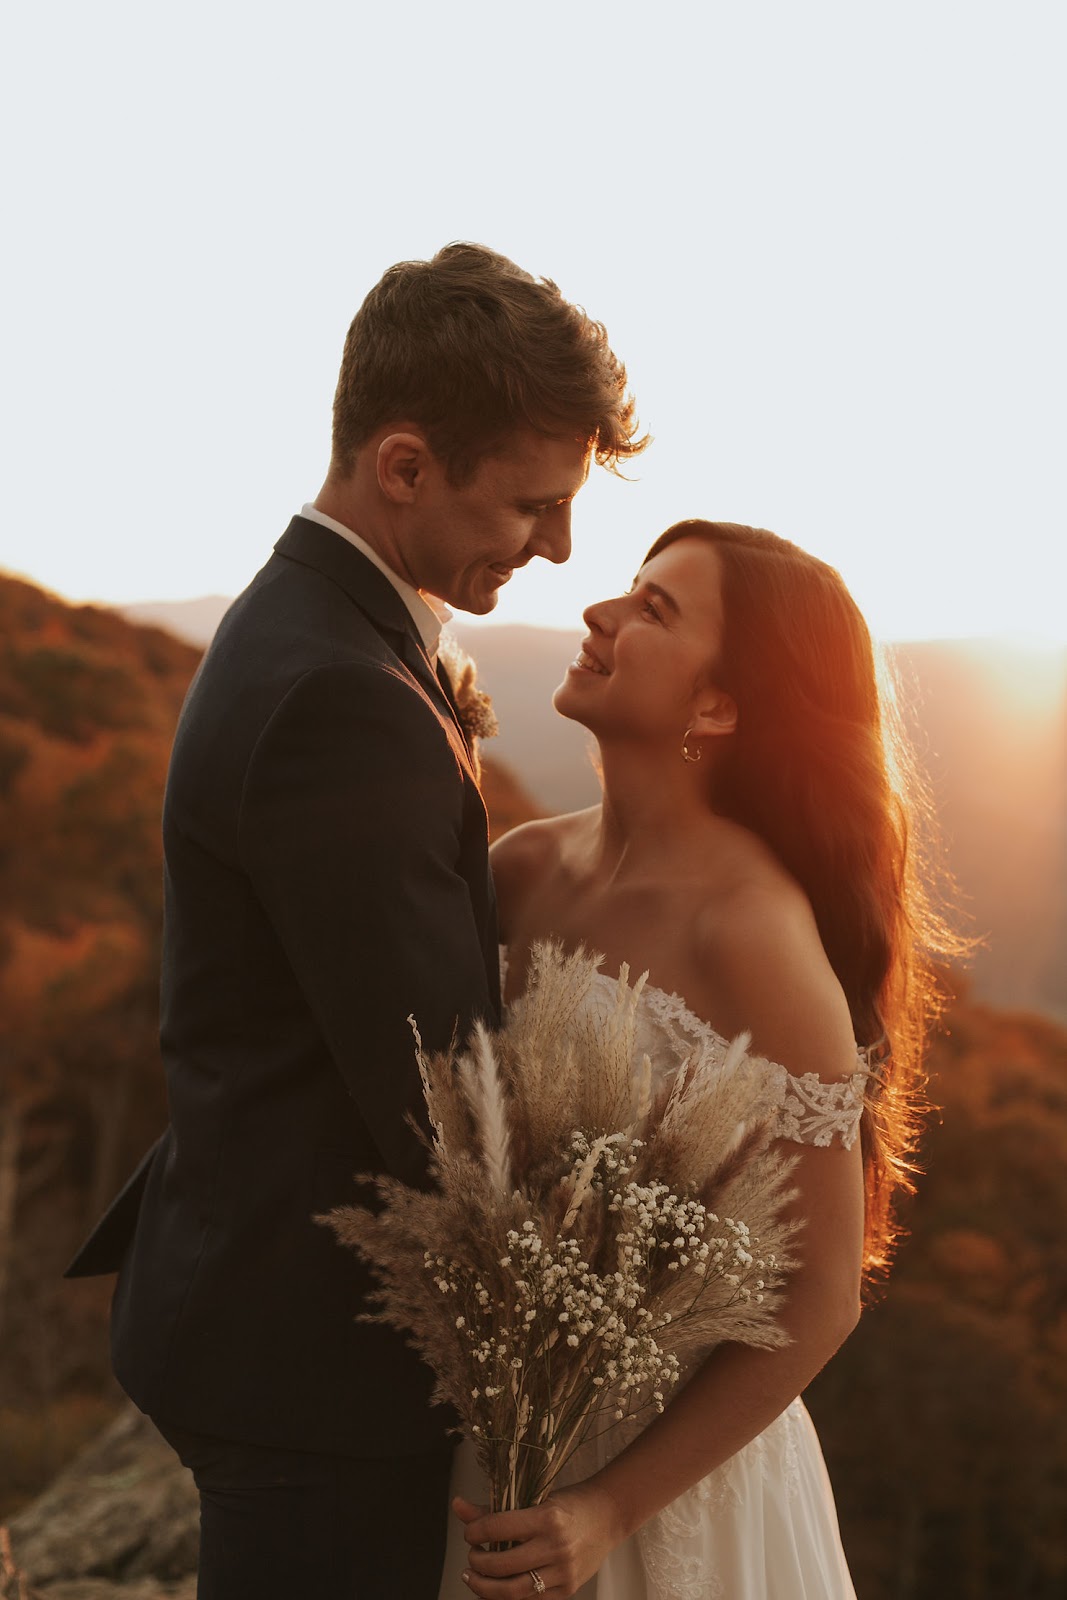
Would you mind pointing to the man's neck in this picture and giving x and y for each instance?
(344, 501)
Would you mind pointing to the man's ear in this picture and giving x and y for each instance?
(715, 714)
(402, 461)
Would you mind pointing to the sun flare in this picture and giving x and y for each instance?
(1028, 676)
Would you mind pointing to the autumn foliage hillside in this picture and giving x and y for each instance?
(87, 710)
(942, 1417)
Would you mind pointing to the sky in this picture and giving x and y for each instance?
(827, 241)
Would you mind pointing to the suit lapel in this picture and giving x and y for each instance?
(435, 681)
(312, 545)
(446, 688)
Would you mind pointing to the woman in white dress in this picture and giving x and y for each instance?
(751, 853)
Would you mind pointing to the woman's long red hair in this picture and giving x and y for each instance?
(819, 769)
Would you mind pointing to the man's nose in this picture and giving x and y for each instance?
(552, 540)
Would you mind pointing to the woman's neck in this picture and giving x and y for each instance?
(653, 814)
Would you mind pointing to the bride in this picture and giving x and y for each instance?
(751, 853)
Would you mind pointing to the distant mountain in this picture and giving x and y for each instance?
(194, 621)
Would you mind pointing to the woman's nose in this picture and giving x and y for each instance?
(600, 616)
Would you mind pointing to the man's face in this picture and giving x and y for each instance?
(463, 544)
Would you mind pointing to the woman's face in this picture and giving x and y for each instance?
(646, 667)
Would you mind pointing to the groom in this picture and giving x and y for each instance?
(326, 876)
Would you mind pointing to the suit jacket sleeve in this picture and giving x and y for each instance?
(352, 832)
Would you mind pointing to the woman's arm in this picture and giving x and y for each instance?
(780, 982)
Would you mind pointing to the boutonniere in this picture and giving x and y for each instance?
(476, 714)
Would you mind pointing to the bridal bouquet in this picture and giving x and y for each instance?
(588, 1237)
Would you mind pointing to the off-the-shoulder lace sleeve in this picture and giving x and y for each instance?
(806, 1110)
(813, 1112)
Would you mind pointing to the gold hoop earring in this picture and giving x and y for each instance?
(687, 754)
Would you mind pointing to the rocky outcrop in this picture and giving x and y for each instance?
(120, 1523)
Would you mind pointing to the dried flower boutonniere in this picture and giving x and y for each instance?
(476, 714)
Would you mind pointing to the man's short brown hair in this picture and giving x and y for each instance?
(471, 348)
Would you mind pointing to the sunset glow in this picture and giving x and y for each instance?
(1026, 678)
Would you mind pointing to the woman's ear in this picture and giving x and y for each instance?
(715, 714)
(402, 461)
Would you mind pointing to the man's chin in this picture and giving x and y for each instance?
(480, 596)
(475, 605)
(482, 599)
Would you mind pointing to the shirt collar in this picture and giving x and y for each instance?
(428, 613)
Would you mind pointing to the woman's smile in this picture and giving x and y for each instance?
(585, 661)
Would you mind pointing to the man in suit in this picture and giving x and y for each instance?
(326, 875)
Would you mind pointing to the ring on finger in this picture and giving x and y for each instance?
(538, 1581)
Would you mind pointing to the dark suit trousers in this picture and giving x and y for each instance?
(282, 1524)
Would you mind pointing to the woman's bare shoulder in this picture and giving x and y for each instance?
(761, 942)
(525, 857)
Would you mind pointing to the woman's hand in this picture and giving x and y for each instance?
(564, 1541)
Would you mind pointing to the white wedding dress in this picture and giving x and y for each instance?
(763, 1525)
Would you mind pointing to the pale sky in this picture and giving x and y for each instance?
(827, 240)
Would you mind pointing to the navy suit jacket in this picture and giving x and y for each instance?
(326, 875)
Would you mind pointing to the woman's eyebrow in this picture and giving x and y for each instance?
(661, 594)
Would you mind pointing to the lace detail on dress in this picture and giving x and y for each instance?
(809, 1111)
(813, 1111)
(675, 1018)
(672, 1542)
(673, 1575)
